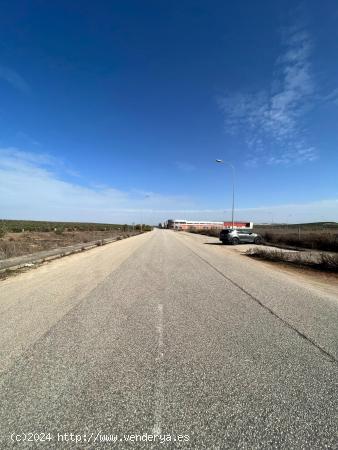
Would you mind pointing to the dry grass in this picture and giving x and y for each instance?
(314, 239)
(321, 261)
(18, 244)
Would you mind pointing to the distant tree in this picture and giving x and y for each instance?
(3, 230)
(59, 230)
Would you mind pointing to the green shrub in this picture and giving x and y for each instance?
(3, 230)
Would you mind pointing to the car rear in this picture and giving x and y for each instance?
(225, 236)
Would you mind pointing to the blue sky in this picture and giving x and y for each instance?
(115, 111)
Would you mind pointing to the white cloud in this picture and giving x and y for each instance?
(16, 80)
(331, 97)
(30, 189)
(272, 120)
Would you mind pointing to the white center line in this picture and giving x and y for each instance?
(159, 395)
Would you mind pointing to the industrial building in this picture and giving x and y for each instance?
(181, 225)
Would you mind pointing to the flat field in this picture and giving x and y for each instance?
(24, 237)
(314, 236)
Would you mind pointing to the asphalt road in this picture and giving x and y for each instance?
(167, 333)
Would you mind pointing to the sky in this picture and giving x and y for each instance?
(115, 111)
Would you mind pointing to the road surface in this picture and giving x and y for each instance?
(167, 334)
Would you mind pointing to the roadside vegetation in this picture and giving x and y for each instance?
(313, 236)
(20, 237)
(18, 226)
(319, 260)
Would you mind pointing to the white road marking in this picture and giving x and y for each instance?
(159, 395)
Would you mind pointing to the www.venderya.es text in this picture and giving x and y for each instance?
(98, 437)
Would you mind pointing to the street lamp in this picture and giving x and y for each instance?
(220, 161)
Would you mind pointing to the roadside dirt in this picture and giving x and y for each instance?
(327, 282)
(18, 244)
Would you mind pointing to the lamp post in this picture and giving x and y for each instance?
(220, 161)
